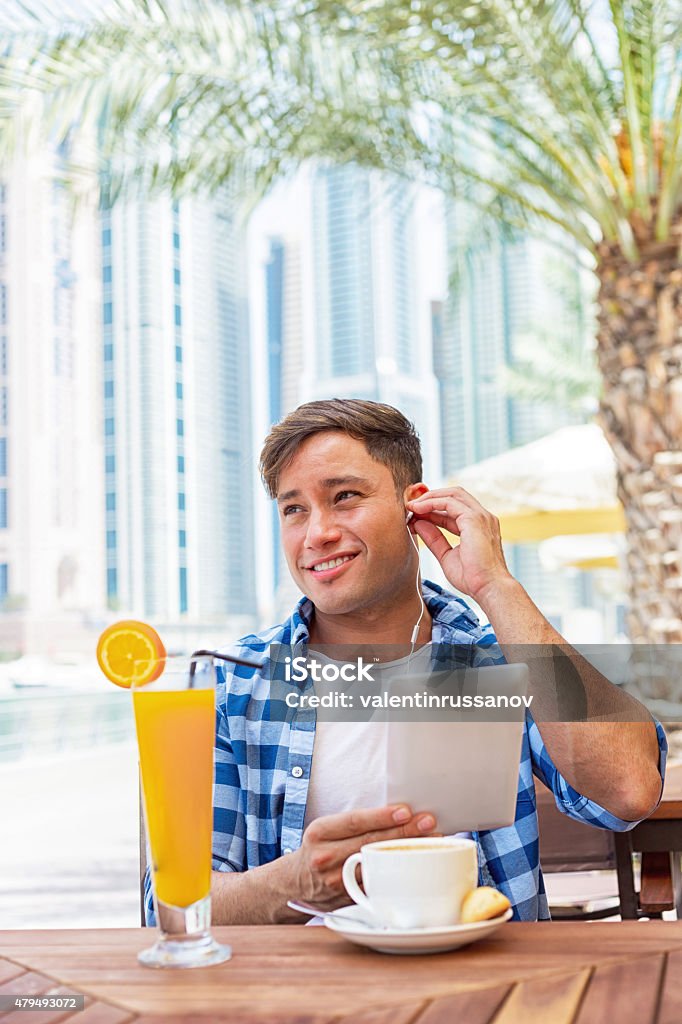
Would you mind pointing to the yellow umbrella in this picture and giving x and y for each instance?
(562, 484)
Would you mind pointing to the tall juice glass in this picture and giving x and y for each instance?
(175, 723)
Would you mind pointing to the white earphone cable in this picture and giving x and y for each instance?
(415, 631)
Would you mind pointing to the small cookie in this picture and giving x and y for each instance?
(482, 904)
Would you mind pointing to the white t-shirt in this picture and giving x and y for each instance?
(348, 769)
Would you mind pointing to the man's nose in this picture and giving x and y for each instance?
(322, 528)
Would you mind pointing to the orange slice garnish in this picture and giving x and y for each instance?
(130, 651)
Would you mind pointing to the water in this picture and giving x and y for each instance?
(48, 722)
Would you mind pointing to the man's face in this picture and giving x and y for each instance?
(336, 501)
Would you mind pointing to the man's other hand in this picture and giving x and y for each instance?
(328, 841)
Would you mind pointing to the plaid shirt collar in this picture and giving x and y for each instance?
(453, 619)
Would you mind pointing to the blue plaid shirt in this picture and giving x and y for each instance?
(262, 766)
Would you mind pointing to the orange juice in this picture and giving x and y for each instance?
(175, 735)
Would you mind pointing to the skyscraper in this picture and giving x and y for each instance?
(178, 458)
(284, 330)
(51, 514)
(274, 326)
(342, 310)
(364, 279)
(508, 291)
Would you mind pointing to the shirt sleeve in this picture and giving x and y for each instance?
(149, 915)
(568, 799)
(229, 819)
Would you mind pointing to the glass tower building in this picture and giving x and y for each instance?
(509, 293)
(284, 326)
(51, 515)
(342, 311)
(366, 320)
(177, 417)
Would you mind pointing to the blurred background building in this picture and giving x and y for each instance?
(343, 321)
(51, 496)
(177, 414)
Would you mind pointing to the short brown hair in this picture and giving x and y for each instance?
(389, 437)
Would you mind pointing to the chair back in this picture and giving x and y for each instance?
(568, 845)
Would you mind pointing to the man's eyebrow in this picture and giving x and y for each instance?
(331, 481)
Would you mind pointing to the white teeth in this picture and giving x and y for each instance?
(330, 565)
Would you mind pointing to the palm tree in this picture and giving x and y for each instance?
(562, 113)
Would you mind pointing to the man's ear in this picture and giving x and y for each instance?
(414, 491)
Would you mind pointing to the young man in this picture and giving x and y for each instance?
(293, 799)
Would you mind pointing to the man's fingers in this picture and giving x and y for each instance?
(357, 823)
(451, 492)
(435, 541)
(422, 824)
(453, 507)
(445, 513)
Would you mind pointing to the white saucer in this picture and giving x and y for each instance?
(412, 940)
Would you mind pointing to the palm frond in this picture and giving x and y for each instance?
(549, 371)
(522, 100)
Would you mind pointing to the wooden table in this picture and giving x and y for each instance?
(661, 833)
(548, 973)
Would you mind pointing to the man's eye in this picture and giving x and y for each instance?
(290, 509)
(343, 494)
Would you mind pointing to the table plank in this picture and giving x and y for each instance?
(103, 1013)
(45, 1016)
(30, 983)
(8, 970)
(544, 999)
(229, 1017)
(24, 982)
(409, 1013)
(618, 990)
(477, 1007)
(670, 1009)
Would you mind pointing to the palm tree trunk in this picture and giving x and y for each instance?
(640, 357)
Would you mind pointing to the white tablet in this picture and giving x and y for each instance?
(465, 771)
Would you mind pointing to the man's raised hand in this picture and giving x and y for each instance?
(478, 560)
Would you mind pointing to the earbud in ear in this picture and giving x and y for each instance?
(408, 517)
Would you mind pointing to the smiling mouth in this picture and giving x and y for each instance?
(331, 565)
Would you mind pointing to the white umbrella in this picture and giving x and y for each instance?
(562, 484)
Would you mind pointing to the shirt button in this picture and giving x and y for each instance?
(287, 849)
(297, 771)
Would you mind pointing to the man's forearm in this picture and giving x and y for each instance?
(258, 896)
(313, 872)
(612, 762)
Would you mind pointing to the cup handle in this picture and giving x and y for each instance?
(351, 884)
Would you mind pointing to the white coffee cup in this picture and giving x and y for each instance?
(413, 883)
